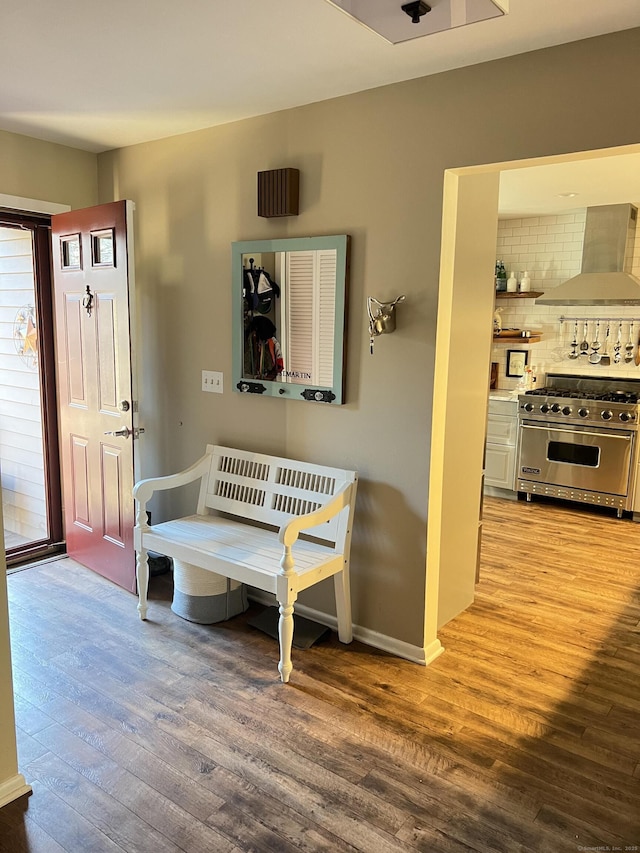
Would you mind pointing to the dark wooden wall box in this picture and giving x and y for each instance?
(278, 192)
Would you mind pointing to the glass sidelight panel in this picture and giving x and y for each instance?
(22, 463)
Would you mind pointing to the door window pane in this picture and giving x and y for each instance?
(102, 248)
(70, 252)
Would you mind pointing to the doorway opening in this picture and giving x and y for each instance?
(29, 456)
(465, 309)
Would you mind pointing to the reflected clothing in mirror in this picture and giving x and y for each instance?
(262, 351)
(258, 290)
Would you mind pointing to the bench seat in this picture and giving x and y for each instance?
(239, 551)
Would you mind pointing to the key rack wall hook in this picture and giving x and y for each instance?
(382, 317)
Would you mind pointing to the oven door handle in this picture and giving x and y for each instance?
(611, 434)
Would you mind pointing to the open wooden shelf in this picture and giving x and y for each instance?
(532, 339)
(528, 294)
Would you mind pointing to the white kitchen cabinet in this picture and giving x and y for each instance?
(500, 451)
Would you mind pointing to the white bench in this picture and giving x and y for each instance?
(251, 511)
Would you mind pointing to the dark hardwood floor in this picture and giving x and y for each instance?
(523, 736)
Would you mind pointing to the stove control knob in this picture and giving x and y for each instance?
(583, 412)
(528, 407)
(606, 415)
(567, 410)
(544, 408)
(625, 417)
(555, 408)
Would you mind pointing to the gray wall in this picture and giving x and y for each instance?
(371, 166)
(32, 168)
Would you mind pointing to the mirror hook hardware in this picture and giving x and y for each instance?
(319, 396)
(87, 301)
(250, 387)
(382, 318)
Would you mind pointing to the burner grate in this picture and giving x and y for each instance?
(577, 394)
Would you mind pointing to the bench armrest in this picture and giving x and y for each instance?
(290, 531)
(144, 489)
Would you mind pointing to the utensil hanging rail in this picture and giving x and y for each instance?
(564, 319)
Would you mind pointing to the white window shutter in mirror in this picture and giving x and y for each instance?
(298, 345)
(310, 292)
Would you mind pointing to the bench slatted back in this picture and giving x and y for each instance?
(271, 489)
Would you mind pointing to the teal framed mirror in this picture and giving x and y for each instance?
(289, 317)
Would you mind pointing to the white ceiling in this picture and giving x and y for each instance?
(104, 75)
(537, 190)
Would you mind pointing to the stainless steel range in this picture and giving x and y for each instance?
(578, 440)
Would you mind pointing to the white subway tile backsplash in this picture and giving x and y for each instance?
(550, 249)
(575, 228)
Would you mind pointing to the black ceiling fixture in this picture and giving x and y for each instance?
(416, 10)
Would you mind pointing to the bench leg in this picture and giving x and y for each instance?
(285, 633)
(343, 605)
(142, 578)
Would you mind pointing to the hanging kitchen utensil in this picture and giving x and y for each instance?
(618, 345)
(637, 355)
(595, 357)
(574, 342)
(605, 358)
(630, 345)
(584, 345)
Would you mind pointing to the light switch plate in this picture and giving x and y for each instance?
(212, 381)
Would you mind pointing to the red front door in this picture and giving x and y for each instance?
(93, 293)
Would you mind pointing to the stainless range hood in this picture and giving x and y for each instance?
(607, 255)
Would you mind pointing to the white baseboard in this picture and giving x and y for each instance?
(13, 788)
(416, 654)
(433, 651)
